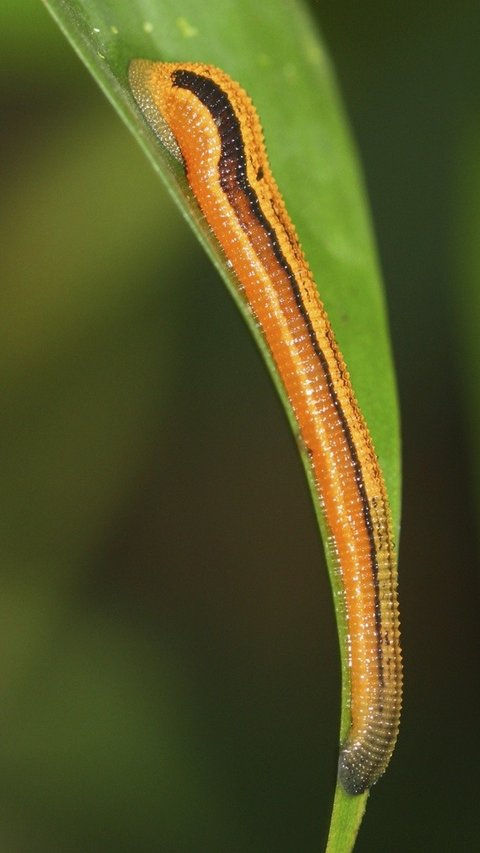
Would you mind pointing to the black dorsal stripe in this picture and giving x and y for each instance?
(232, 160)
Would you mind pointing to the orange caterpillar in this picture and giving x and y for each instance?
(208, 123)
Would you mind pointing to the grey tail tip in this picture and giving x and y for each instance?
(351, 776)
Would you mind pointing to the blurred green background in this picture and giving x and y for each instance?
(169, 667)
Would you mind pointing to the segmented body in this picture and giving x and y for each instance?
(208, 122)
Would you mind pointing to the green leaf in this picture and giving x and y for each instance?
(274, 50)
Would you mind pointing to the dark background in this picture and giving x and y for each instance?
(169, 667)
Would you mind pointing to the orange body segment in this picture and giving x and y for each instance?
(208, 122)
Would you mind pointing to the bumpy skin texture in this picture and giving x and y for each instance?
(208, 122)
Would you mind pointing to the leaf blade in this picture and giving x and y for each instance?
(276, 55)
